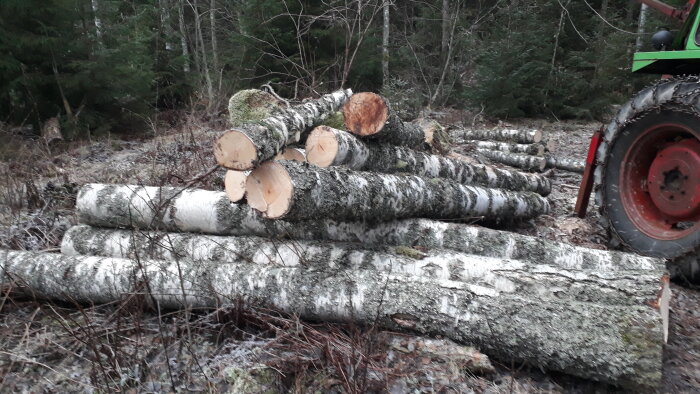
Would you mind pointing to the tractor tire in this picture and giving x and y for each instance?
(648, 174)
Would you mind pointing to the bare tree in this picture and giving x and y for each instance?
(183, 36)
(385, 43)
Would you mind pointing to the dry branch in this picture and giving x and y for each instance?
(330, 147)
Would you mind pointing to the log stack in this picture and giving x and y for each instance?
(524, 149)
(349, 235)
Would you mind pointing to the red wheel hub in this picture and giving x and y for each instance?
(660, 181)
(674, 179)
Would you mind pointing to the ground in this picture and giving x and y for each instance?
(130, 346)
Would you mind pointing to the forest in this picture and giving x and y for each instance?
(114, 66)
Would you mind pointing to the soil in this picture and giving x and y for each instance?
(129, 346)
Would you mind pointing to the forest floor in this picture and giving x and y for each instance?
(130, 346)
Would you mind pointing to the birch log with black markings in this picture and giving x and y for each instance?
(619, 344)
(171, 209)
(612, 285)
(296, 191)
(234, 181)
(567, 164)
(369, 115)
(245, 147)
(505, 135)
(528, 149)
(330, 147)
(526, 162)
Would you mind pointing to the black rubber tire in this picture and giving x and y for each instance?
(627, 232)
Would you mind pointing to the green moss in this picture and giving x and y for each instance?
(401, 164)
(251, 105)
(335, 120)
(409, 252)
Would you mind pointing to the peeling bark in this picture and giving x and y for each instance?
(526, 162)
(330, 147)
(620, 344)
(370, 115)
(245, 147)
(297, 191)
(528, 149)
(505, 135)
(567, 164)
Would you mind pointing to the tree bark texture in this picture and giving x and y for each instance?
(505, 135)
(526, 162)
(347, 195)
(370, 115)
(528, 149)
(564, 163)
(193, 210)
(618, 343)
(330, 147)
(628, 286)
(251, 105)
(245, 147)
(385, 41)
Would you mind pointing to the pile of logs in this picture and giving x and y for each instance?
(525, 149)
(343, 232)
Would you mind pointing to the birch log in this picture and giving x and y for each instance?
(526, 162)
(245, 147)
(252, 105)
(234, 181)
(369, 115)
(172, 209)
(297, 191)
(330, 147)
(608, 285)
(567, 164)
(620, 344)
(506, 135)
(528, 149)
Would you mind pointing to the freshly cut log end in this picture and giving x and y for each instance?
(322, 146)
(293, 154)
(537, 136)
(236, 151)
(234, 183)
(270, 190)
(430, 128)
(365, 113)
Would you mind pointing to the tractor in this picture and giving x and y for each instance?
(644, 166)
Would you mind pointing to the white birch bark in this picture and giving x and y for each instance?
(183, 36)
(526, 162)
(385, 42)
(345, 195)
(331, 147)
(567, 164)
(246, 147)
(505, 135)
(528, 149)
(620, 344)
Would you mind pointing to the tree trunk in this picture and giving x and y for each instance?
(505, 135)
(612, 286)
(643, 11)
(172, 209)
(528, 149)
(385, 42)
(446, 19)
(298, 192)
(618, 342)
(165, 7)
(96, 19)
(526, 162)
(368, 114)
(183, 36)
(246, 147)
(330, 147)
(252, 105)
(565, 163)
(214, 46)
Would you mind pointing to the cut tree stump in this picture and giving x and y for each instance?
(234, 181)
(567, 164)
(617, 343)
(245, 147)
(369, 115)
(193, 210)
(615, 285)
(526, 162)
(331, 147)
(297, 191)
(505, 135)
(528, 149)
